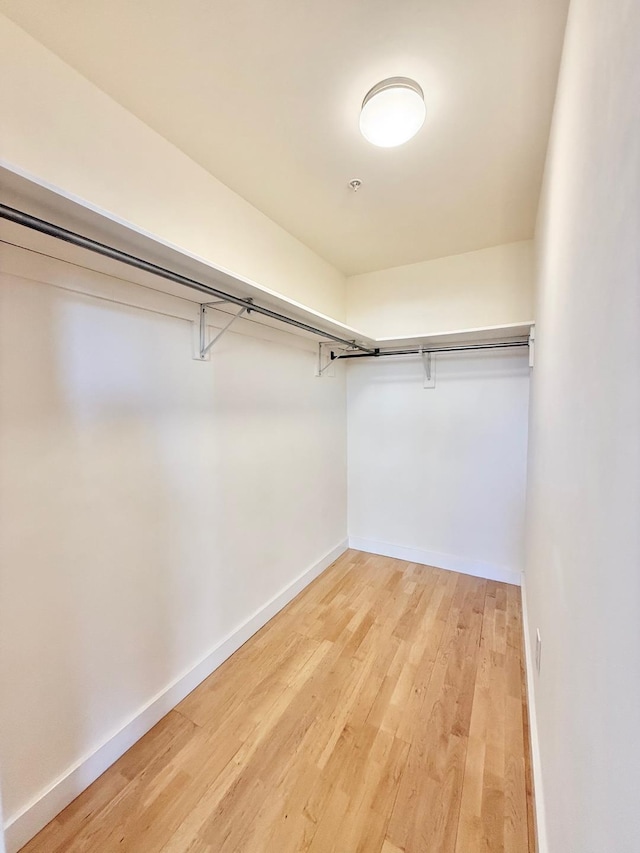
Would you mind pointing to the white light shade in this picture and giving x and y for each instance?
(392, 112)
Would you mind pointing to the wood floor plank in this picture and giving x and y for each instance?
(383, 711)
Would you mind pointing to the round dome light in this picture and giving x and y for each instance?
(392, 112)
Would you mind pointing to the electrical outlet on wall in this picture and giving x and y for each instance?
(538, 649)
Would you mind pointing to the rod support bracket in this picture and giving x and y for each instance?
(205, 347)
(429, 368)
(326, 358)
(532, 345)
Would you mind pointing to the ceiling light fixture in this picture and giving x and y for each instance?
(392, 112)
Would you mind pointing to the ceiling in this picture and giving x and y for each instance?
(265, 94)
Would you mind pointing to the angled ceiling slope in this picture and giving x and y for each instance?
(266, 96)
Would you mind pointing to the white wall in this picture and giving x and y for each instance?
(2, 844)
(438, 475)
(59, 127)
(583, 564)
(490, 287)
(150, 505)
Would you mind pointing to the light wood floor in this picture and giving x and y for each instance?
(384, 710)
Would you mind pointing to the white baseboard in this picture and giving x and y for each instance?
(440, 561)
(22, 827)
(541, 827)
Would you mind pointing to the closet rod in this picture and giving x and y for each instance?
(60, 233)
(429, 350)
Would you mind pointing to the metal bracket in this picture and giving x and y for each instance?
(325, 361)
(532, 345)
(429, 367)
(204, 346)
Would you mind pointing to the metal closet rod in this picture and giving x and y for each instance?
(427, 350)
(60, 233)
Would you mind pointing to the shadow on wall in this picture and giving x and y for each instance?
(89, 547)
(441, 470)
(151, 504)
(451, 366)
